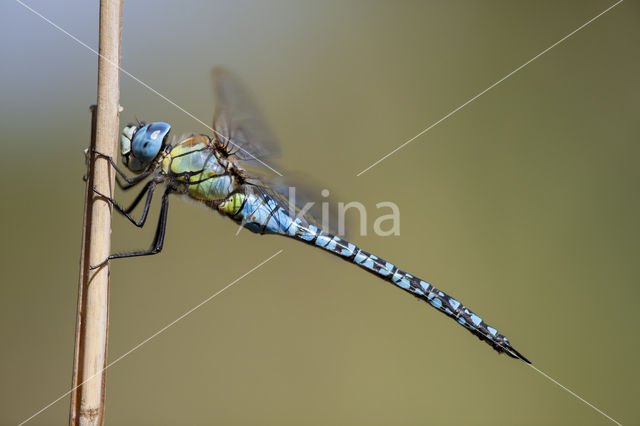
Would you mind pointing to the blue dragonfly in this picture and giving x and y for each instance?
(223, 173)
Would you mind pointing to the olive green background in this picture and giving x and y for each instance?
(523, 205)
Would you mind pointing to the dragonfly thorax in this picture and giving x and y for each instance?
(140, 146)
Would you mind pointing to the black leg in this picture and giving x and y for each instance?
(130, 181)
(148, 189)
(158, 240)
(123, 186)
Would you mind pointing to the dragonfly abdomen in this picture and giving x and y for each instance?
(411, 284)
(264, 214)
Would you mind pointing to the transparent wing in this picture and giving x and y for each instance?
(238, 122)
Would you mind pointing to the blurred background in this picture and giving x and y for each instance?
(523, 205)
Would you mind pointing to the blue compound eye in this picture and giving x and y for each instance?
(148, 141)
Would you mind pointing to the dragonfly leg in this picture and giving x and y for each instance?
(121, 185)
(148, 189)
(158, 239)
(130, 181)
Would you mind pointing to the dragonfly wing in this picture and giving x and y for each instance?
(238, 123)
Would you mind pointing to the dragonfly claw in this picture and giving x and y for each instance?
(99, 265)
(100, 154)
(101, 194)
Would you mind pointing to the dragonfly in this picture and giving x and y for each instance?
(226, 173)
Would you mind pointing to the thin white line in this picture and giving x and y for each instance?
(154, 334)
(146, 85)
(490, 87)
(575, 395)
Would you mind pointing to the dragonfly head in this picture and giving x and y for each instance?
(139, 146)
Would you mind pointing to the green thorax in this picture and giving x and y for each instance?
(199, 169)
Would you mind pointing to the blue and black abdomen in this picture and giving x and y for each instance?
(417, 287)
(261, 213)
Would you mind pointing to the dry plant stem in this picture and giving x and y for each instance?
(90, 354)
